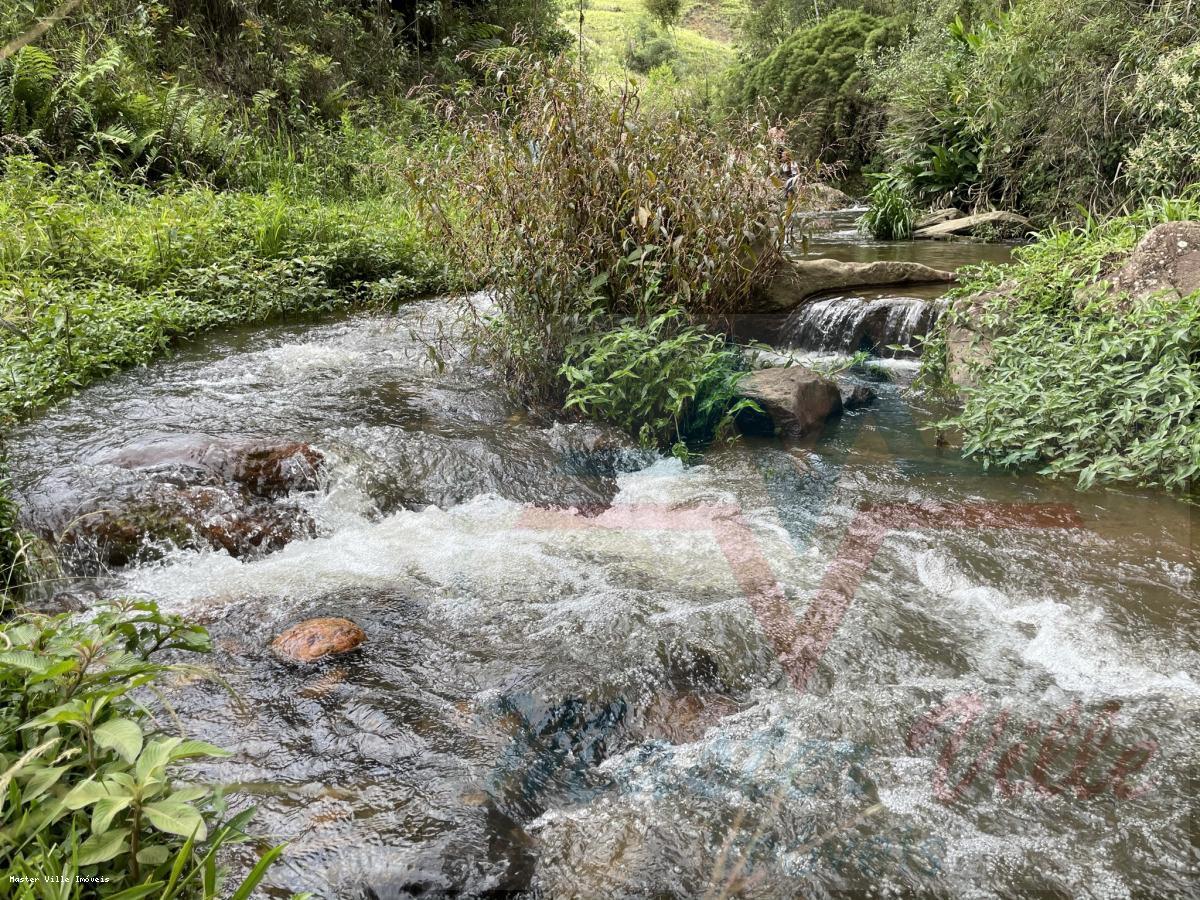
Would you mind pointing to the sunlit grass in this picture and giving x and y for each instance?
(704, 37)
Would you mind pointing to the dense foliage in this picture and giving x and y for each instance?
(90, 791)
(891, 214)
(581, 209)
(1079, 381)
(815, 76)
(95, 276)
(670, 386)
(1044, 106)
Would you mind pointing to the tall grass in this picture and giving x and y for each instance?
(581, 209)
(97, 274)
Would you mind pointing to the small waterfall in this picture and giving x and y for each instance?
(842, 324)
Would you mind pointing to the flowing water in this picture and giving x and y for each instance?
(572, 683)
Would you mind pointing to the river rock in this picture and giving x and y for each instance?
(794, 400)
(264, 468)
(800, 279)
(817, 196)
(140, 522)
(937, 217)
(968, 340)
(314, 639)
(1007, 221)
(1166, 260)
(856, 396)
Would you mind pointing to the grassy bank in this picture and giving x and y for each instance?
(97, 275)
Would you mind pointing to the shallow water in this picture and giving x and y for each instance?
(596, 705)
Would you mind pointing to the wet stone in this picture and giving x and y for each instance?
(314, 639)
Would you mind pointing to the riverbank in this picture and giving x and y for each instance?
(97, 274)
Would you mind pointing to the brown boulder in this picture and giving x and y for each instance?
(794, 400)
(968, 340)
(314, 639)
(1166, 260)
(139, 522)
(264, 468)
(800, 279)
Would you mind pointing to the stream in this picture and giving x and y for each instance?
(571, 685)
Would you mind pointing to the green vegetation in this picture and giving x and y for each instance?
(584, 211)
(1045, 107)
(696, 50)
(671, 386)
(815, 77)
(96, 276)
(90, 787)
(891, 214)
(1105, 388)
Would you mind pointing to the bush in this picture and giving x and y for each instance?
(891, 213)
(1028, 106)
(644, 55)
(578, 206)
(1101, 388)
(815, 76)
(1166, 104)
(670, 385)
(664, 12)
(90, 791)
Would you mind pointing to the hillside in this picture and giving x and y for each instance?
(702, 41)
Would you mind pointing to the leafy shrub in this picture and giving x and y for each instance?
(891, 213)
(665, 12)
(1026, 106)
(90, 790)
(643, 56)
(670, 385)
(577, 205)
(13, 563)
(1098, 387)
(1166, 102)
(815, 76)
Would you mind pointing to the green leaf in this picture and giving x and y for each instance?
(137, 892)
(102, 847)
(121, 735)
(83, 794)
(105, 810)
(189, 749)
(154, 757)
(154, 855)
(175, 818)
(246, 888)
(25, 659)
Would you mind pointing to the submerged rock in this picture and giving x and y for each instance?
(264, 468)
(142, 522)
(314, 639)
(794, 400)
(192, 491)
(800, 279)
(856, 396)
